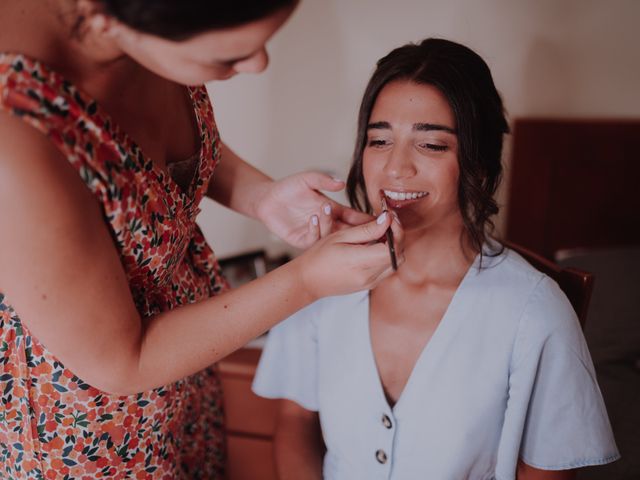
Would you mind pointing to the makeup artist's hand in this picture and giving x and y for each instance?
(351, 259)
(287, 207)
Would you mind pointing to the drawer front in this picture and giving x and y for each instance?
(250, 420)
(245, 412)
(250, 459)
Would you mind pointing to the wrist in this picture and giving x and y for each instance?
(300, 271)
(258, 196)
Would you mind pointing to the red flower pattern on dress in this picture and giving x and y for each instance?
(53, 424)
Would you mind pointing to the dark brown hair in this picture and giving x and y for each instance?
(465, 81)
(181, 19)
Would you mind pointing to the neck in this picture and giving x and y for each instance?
(435, 255)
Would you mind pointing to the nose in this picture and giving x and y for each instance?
(256, 63)
(400, 163)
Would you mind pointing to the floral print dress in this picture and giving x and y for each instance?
(52, 424)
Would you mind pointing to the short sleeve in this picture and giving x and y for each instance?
(288, 366)
(553, 387)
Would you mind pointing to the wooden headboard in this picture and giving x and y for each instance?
(574, 183)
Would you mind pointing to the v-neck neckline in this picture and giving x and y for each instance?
(444, 326)
(162, 176)
(124, 141)
(189, 193)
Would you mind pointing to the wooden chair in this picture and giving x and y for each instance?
(576, 284)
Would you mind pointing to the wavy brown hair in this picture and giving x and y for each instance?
(465, 80)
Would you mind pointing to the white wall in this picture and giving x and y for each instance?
(559, 58)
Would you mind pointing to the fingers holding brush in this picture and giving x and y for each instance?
(398, 237)
(394, 235)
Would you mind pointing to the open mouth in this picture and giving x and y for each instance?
(402, 199)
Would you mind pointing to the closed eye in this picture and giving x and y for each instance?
(377, 143)
(434, 147)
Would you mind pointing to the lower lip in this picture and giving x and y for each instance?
(404, 203)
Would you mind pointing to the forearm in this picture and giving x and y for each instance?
(89, 320)
(527, 472)
(202, 333)
(236, 184)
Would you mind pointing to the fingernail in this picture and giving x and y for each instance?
(336, 179)
(327, 209)
(314, 220)
(397, 218)
(382, 218)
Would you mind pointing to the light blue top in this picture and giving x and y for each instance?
(507, 374)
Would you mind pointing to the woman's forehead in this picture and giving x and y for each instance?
(408, 102)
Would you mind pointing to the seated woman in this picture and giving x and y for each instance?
(466, 364)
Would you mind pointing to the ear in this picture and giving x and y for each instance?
(96, 20)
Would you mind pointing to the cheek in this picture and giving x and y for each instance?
(452, 175)
(162, 63)
(371, 171)
(188, 72)
(447, 178)
(197, 75)
(367, 169)
(173, 66)
(373, 167)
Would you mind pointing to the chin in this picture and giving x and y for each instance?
(413, 219)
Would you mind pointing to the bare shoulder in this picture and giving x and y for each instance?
(26, 154)
(60, 269)
(39, 184)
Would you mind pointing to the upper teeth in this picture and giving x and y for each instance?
(404, 195)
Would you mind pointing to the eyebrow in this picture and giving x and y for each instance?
(421, 127)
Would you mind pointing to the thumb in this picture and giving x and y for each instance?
(322, 181)
(368, 232)
(349, 216)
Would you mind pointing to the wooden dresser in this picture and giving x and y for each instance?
(250, 420)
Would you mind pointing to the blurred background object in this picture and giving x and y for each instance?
(242, 268)
(613, 335)
(573, 184)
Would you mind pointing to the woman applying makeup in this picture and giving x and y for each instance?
(113, 310)
(466, 364)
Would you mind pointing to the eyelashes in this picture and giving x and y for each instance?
(426, 146)
(434, 147)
